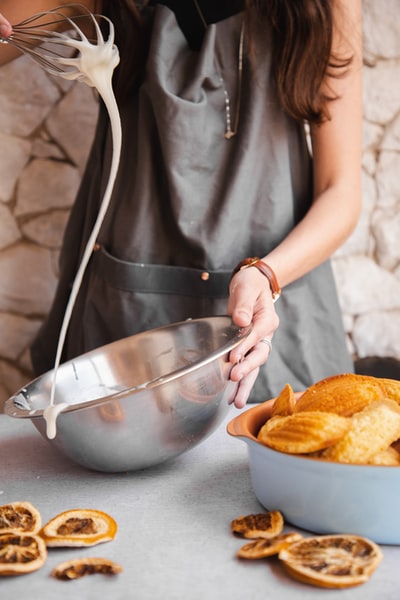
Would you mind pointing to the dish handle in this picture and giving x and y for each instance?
(247, 424)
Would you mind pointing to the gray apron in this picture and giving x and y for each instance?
(187, 200)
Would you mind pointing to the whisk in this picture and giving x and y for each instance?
(35, 36)
(92, 62)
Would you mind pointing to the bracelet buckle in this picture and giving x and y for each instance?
(265, 269)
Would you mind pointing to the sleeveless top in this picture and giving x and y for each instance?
(187, 200)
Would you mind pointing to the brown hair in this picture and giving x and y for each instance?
(302, 34)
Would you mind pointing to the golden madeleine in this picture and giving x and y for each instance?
(386, 458)
(372, 430)
(285, 403)
(343, 394)
(391, 389)
(305, 432)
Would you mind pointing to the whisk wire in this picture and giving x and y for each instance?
(36, 37)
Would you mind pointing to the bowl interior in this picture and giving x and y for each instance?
(140, 362)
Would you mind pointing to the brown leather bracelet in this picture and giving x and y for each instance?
(265, 269)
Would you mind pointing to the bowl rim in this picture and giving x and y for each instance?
(16, 409)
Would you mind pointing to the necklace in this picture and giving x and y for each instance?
(229, 131)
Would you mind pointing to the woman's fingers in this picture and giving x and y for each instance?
(253, 359)
(5, 27)
(244, 389)
(250, 302)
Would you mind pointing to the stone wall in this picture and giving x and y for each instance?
(46, 127)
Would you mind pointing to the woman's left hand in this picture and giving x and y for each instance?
(250, 303)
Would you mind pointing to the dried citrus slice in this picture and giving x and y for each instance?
(79, 567)
(21, 553)
(262, 548)
(79, 527)
(19, 517)
(332, 561)
(261, 525)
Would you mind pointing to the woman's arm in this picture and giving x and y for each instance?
(337, 146)
(14, 11)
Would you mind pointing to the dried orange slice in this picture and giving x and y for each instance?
(262, 548)
(19, 517)
(79, 567)
(79, 527)
(261, 525)
(21, 553)
(332, 561)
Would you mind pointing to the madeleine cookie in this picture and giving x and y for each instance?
(285, 403)
(343, 394)
(373, 430)
(304, 432)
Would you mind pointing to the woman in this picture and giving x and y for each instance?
(215, 168)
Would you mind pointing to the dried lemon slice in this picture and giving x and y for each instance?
(79, 567)
(79, 527)
(332, 561)
(19, 517)
(262, 548)
(261, 525)
(21, 553)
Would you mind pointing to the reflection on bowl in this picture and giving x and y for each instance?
(320, 496)
(141, 400)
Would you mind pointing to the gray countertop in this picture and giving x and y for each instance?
(173, 541)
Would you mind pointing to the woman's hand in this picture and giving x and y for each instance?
(250, 303)
(337, 151)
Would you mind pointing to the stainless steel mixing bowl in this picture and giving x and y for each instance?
(141, 400)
